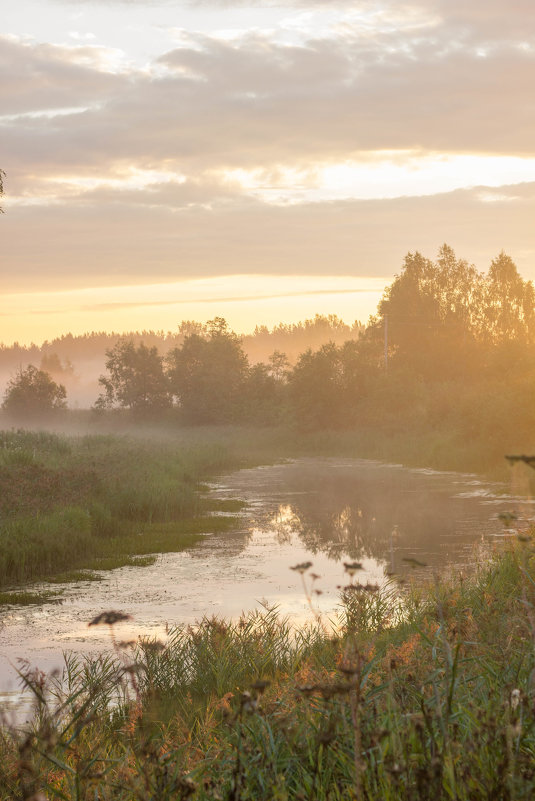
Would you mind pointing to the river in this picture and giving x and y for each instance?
(322, 510)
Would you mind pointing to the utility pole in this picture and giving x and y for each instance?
(386, 343)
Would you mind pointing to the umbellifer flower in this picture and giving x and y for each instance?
(302, 567)
(110, 618)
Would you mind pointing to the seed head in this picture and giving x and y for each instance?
(110, 618)
(302, 567)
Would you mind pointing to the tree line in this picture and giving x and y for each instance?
(446, 340)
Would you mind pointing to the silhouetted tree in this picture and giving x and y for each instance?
(279, 366)
(52, 364)
(509, 304)
(433, 315)
(33, 394)
(136, 379)
(207, 374)
(263, 396)
(324, 386)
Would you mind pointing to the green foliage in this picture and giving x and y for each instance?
(136, 380)
(84, 502)
(33, 394)
(509, 304)
(324, 386)
(263, 396)
(208, 373)
(427, 697)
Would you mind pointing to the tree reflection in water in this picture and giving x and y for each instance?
(357, 509)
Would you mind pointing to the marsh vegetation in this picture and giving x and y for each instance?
(99, 502)
(429, 698)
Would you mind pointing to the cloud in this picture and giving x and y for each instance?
(119, 172)
(110, 244)
(45, 77)
(211, 104)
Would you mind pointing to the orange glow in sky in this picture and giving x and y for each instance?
(176, 160)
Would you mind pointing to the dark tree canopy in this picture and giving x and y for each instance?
(135, 379)
(208, 373)
(32, 394)
(324, 386)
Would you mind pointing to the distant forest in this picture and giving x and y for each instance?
(78, 361)
(450, 352)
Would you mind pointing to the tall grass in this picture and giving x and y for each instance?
(68, 501)
(426, 697)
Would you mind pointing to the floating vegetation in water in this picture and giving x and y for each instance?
(21, 598)
(71, 576)
(410, 560)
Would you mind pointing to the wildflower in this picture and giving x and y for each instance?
(110, 618)
(248, 702)
(515, 699)
(302, 567)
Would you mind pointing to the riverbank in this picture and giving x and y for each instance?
(73, 504)
(85, 503)
(477, 445)
(427, 697)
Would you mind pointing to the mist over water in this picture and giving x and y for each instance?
(322, 510)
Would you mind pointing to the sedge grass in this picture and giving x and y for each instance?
(70, 503)
(435, 703)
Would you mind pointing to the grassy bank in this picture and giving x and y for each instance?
(78, 501)
(71, 502)
(431, 697)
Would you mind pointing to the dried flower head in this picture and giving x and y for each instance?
(248, 702)
(302, 567)
(110, 618)
(515, 698)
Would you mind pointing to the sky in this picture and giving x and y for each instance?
(174, 160)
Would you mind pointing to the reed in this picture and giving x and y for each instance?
(409, 696)
(68, 503)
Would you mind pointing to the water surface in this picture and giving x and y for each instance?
(326, 511)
